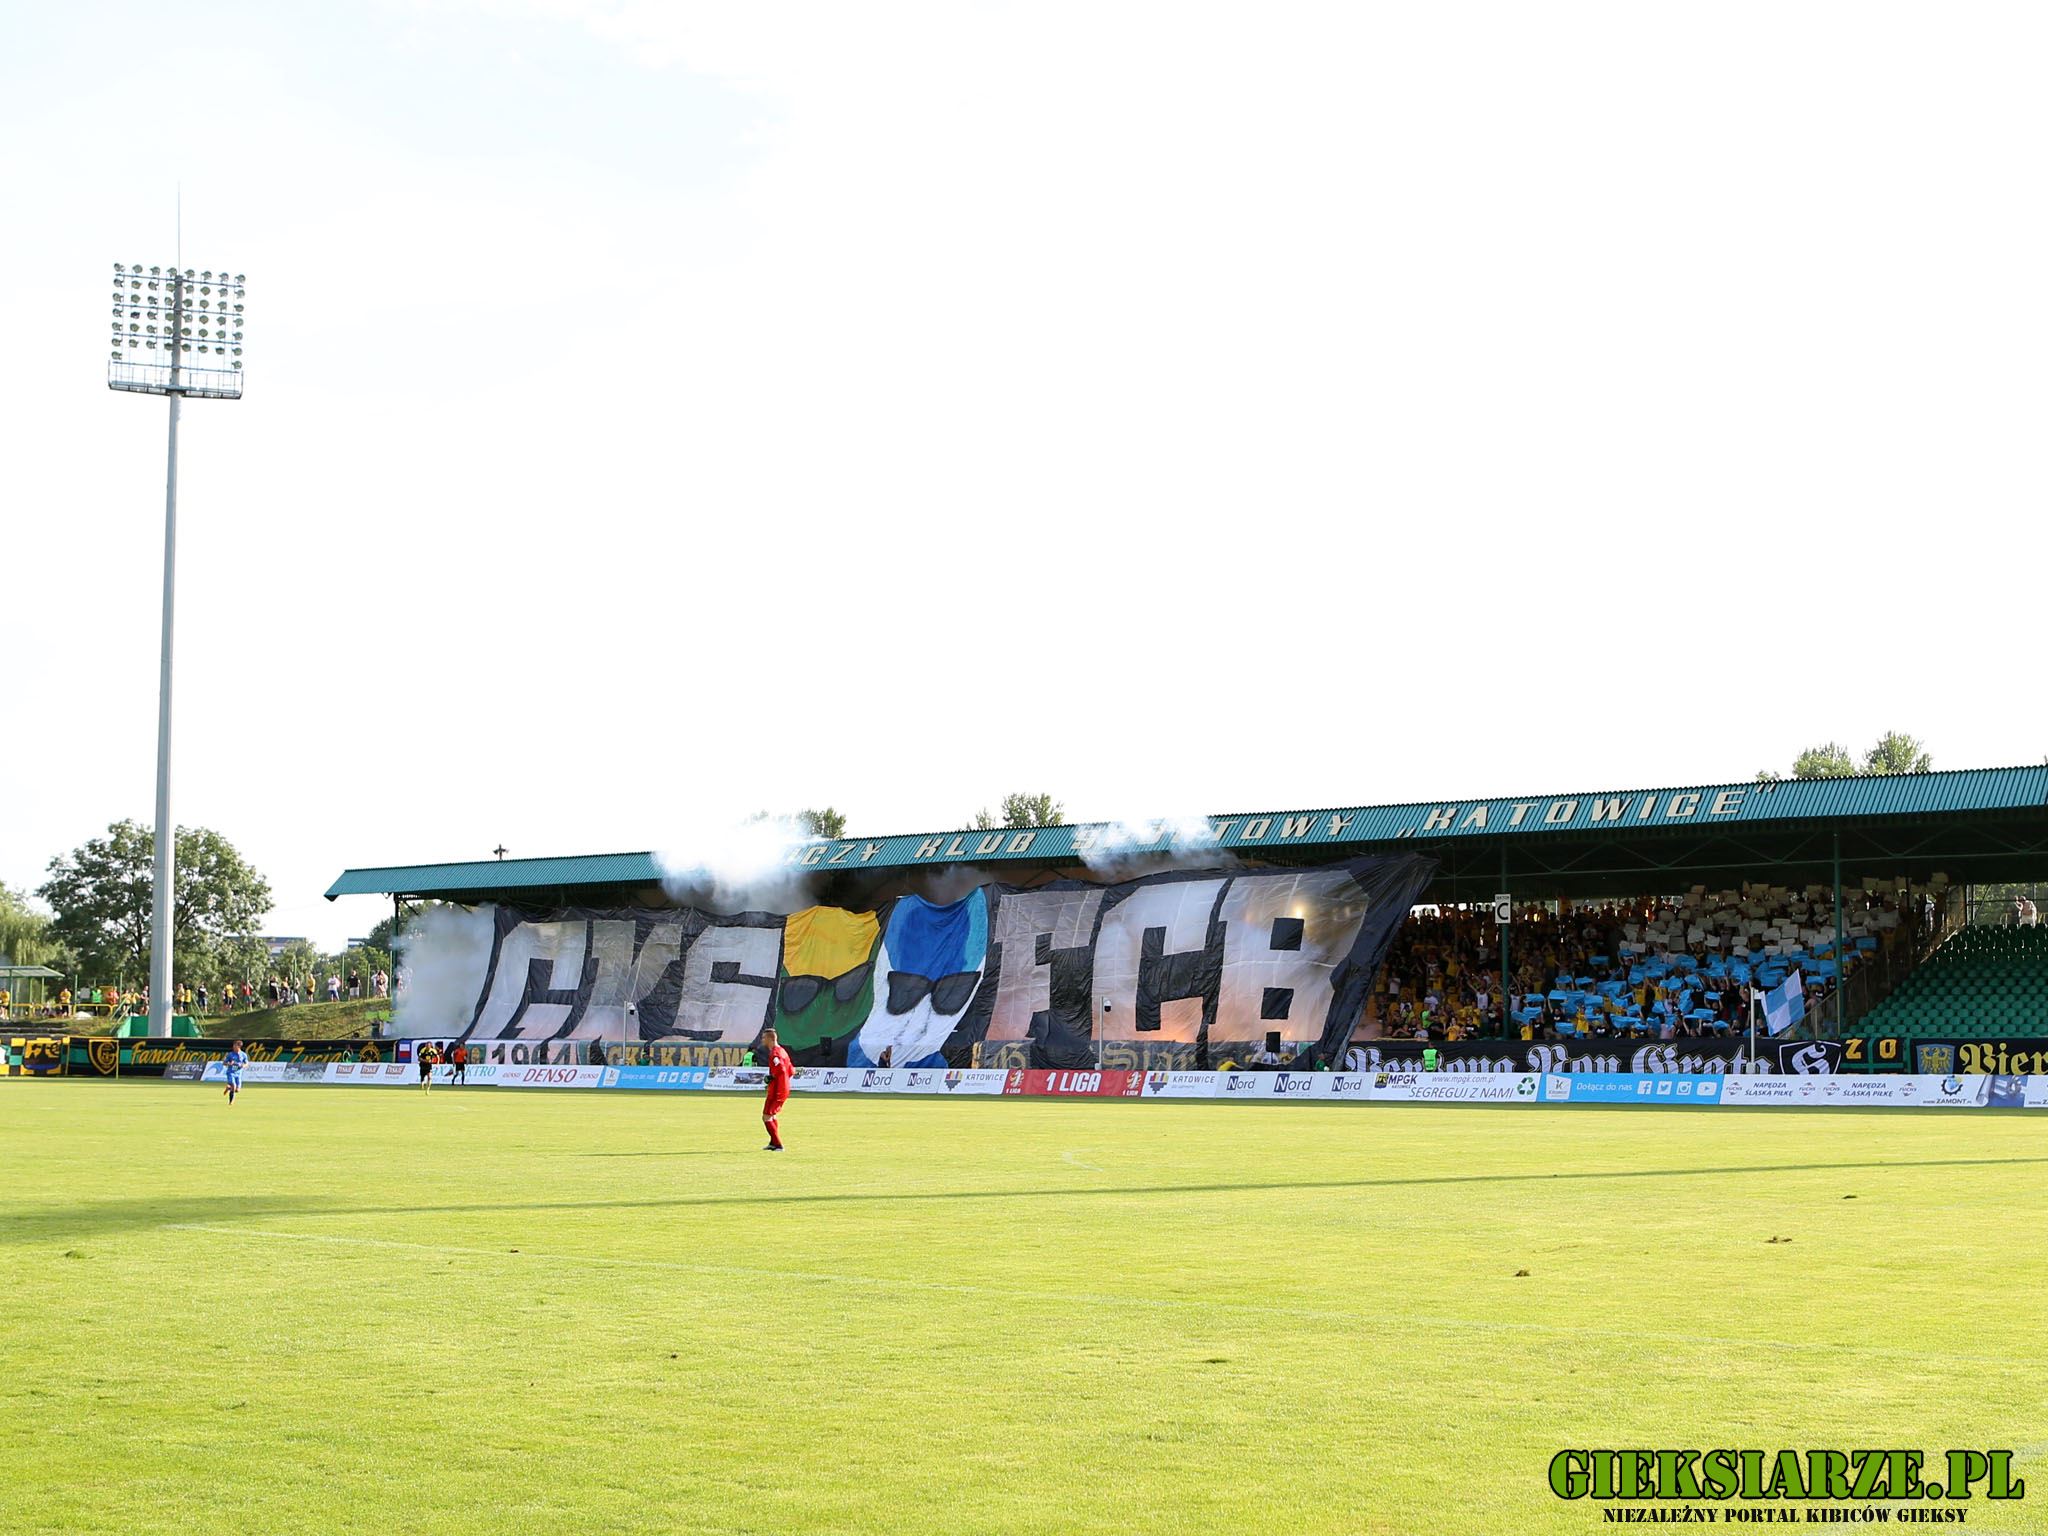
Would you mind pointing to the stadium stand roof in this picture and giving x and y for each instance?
(1973, 824)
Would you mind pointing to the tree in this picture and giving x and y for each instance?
(238, 960)
(296, 961)
(387, 934)
(1896, 752)
(1829, 761)
(825, 823)
(25, 937)
(364, 960)
(101, 894)
(1024, 811)
(809, 823)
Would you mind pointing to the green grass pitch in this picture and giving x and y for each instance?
(376, 1311)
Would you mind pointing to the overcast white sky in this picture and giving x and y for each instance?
(657, 412)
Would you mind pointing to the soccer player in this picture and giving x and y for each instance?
(426, 1055)
(234, 1061)
(780, 1070)
(458, 1064)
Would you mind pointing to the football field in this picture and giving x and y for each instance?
(359, 1310)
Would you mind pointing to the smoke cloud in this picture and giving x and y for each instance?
(737, 866)
(443, 959)
(944, 886)
(1129, 846)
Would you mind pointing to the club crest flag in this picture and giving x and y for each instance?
(1785, 1005)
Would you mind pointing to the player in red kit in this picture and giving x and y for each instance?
(780, 1070)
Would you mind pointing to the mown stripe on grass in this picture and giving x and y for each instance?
(1068, 1298)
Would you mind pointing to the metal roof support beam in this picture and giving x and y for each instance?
(1842, 971)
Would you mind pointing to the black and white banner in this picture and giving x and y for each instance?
(1697, 1057)
(1171, 972)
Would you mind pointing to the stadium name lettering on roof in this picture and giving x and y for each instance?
(1625, 811)
(1655, 807)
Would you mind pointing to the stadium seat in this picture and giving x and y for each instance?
(1981, 981)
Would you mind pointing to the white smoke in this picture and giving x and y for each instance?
(1138, 845)
(443, 957)
(737, 866)
(947, 884)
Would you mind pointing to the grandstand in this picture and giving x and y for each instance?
(1675, 966)
(1995, 977)
(1648, 911)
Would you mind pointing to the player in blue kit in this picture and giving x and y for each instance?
(234, 1061)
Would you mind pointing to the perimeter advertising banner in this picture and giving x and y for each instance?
(1458, 1088)
(1905, 1090)
(1962, 1054)
(269, 1072)
(31, 1056)
(1116, 1083)
(373, 1074)
(1642, 1088)
(538, 1077)
(1658, 1090)
(670, 1078)
(1179, 1085)
(106, 1056)
(1172, 971)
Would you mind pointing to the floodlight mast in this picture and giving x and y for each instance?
(138, 311)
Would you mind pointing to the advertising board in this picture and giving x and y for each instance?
(1111, 1083)
(537, 1076)
(1653, 1088)
(1179, 1085)
(736, 1079)
(373, 1074)
(1458, 1087)
(655, 1077)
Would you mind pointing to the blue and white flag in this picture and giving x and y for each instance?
(1785, 1005)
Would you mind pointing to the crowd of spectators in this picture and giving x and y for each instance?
(207, 998)
(286, 990)
(1656, 968)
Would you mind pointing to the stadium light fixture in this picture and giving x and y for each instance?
(178, 333)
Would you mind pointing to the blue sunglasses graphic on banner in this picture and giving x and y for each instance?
(929, 967)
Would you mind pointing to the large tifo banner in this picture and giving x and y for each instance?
(1171, 971)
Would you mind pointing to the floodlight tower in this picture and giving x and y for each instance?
(163, 318)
